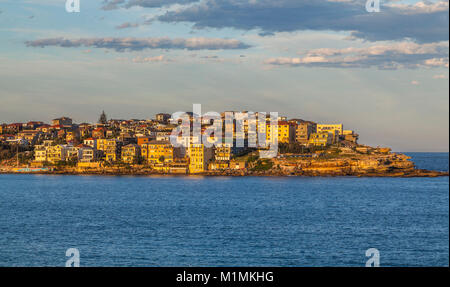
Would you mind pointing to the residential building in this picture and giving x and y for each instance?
(162, 117)
(335, 129)
(72, 136)
(40, 153)
(350, 136)
(223, 152)
(143, 140)
(111, 148)
(14, 128)
(199, 158)
(99, 133)
(56, 153)
(131, 153)
(30, 136)
(3, 128)
(286, 132)
(91, 142)
(304, 131)
(156, 152)
(321, 139)
(64, 121)
(72, 152)
(87, 153)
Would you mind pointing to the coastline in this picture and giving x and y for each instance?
(347, 165)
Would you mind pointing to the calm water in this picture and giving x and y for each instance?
(196, 221)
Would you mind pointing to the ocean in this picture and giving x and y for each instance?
(226, 221)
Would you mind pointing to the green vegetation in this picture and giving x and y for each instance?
(263, 165)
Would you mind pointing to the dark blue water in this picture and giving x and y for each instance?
(197, 221)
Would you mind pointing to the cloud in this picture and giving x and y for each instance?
(441, 77)
(155, 59)
(127, 25)
(422, 22)
(437, 62)
(138, 44)
(383, 56)
(115, 4)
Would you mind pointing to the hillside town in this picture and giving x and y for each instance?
(144, 146)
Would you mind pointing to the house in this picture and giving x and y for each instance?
(335, 129)
(99, 133)
(143, 140)
(321, 139)
(223, 152)
(40, 153)
(72, 152)
(199, 158)
(179, 166)
(7, 137)
(235, 164)
(131, 153)
(33, 125)
(3, 128)
(86, 153)
(56, 153)
(218, 165)
(163, 135)
(44, 128)
(64, 121)
(92, 142)
(72, 136)
(304, 131)
(159, 152)
(111, 148)
(162, 117)
(14, 128)
(285, 132)
(30, 136)
(350, 136)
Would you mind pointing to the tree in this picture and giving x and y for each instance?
(103, 119)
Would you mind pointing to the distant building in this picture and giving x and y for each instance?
(199, 158)
(14, 128)
(29, 135)
(111, 148)
(304, 131)
(56, 153)
(286, 132)
(321, 139)
(223, 152)
(350, 136)
(3, 128)
(64, 121)
(335, 129)
(163, 118)
(131, 153)
(156, 152)
(90, 142)
(87, 153)
(40, 153)
(99, 133)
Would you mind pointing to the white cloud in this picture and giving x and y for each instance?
(384, 56)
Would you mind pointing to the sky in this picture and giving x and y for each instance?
(384, 75)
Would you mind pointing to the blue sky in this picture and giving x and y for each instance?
(384, 74)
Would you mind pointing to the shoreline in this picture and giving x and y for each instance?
(347, 165)
(416, 173)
